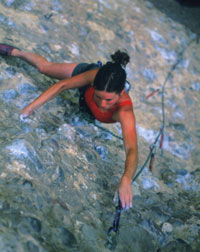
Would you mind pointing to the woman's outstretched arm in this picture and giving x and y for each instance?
(77, 81)
(127, 121)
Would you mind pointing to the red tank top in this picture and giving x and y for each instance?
(102, 116)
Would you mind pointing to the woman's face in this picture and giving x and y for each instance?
(105, 100)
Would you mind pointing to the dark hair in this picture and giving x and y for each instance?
(111, 77)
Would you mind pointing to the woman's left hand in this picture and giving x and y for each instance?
(125, 193)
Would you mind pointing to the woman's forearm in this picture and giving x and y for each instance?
(44, 97)
(124, 189)
(131, 164)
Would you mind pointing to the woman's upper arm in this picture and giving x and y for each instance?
(80, 80)
(128, 124)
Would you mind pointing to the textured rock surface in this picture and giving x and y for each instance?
(58, 172)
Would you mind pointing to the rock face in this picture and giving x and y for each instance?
(59, 172)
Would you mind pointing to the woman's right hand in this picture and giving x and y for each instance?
(26, 112)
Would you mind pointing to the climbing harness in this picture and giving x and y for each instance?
(99, 63)
(127, 86)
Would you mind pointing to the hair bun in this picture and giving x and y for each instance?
(120, 57)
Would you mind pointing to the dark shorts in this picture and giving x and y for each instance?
(84, 67)
(81, 68)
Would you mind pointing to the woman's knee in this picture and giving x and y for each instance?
(43, 68)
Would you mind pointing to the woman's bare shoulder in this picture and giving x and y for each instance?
(124, 97)
(91, 74)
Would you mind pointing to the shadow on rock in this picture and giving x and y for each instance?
(184, 12)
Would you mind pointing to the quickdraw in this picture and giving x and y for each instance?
(152, 93)
(115, 225)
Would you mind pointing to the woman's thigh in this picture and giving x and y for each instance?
(58, 70)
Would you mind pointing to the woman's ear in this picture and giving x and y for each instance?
(123, 91)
